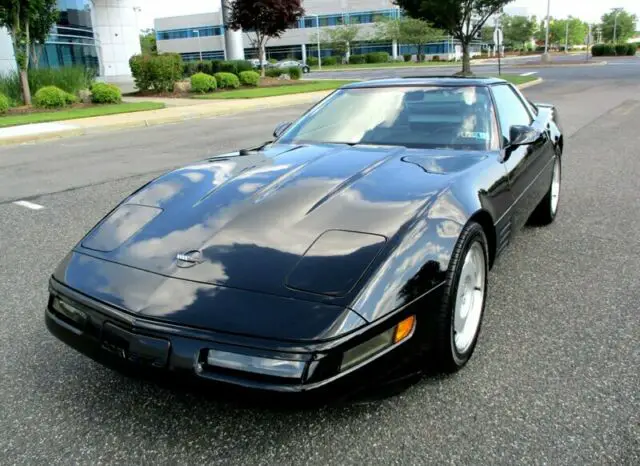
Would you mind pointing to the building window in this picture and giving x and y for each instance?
(191, 33)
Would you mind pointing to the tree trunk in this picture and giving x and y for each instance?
(466, 61)
(26, 92)
(24, 66)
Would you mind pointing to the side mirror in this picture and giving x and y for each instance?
(521, 135)
(280, 129)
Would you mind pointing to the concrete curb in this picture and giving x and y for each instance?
(560, 65)
(535, 82)
(94, 125)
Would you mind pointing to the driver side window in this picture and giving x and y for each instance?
(511, 111)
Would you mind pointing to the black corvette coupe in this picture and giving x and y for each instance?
(358, 240)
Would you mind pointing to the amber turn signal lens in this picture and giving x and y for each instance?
(404, 329)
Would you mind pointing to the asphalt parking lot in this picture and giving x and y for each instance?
(554, 379)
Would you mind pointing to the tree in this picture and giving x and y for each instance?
(339, 39)
(148, 42)
(27, 19)
(264, 19)
(486, 33)
(408, 31)
(463, 19)
(576, 29)
(517, 29)
(625, 26)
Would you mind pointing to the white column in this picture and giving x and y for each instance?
(304, 53)
(394, 49)
(117, 34)
(234, 47)
(7, 55)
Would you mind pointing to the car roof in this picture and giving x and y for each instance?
(454, 81)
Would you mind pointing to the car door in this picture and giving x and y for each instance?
(526, 165)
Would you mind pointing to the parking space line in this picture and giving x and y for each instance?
(29, 205)
(529, 73)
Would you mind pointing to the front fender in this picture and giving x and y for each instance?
(419, 260)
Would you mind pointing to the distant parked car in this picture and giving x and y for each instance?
(292, 64)
(256, 63)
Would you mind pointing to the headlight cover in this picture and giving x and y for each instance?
(256, 364)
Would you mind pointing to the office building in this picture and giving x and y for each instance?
(99, 34)
(203, 35)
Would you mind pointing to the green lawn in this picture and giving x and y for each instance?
(516, 79)
(256, 92)
(74, 113)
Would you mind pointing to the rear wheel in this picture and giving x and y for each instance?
(457, 322)
(545, 212)
(306, 69)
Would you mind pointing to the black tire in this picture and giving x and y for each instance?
(544, 213)
(306, 69)
(447, 358)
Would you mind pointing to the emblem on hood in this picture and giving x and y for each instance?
(189, 259)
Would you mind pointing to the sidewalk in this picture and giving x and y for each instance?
(178, 110)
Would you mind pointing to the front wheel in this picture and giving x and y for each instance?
(546, 211)
(306, 69)
(457, 322)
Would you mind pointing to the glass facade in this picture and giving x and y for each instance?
(71, 41)
(338, 19)
(190, 33)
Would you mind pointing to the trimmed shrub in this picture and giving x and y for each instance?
(294, 72)
(103, 93)
(158, 72)
(141, 71)
(609, 50)
(227, 80)
(274, 72)
(50, 97)
(189, 69)
(228, 67)
(621, 49)
(203, 83)
(312, 61)
(407, 57)
(597, 50)
(243, 65)
(70, 98)
(357, 59)
(631, 49)
(249, 78)
(272, 60)
(329, 61)
(435, 58)
(4, 103)
(377, 57)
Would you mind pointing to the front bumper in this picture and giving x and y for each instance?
(125, 341)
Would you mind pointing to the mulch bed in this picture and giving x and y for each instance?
(264, 82)
(26, 109)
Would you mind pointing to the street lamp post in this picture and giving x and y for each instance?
(615, 23)
(566, 38)
(199, 43)
(545, 56)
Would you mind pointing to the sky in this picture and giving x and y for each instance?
(588, 10)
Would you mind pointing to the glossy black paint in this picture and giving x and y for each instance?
(301, 249)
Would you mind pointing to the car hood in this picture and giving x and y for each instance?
(284, 220)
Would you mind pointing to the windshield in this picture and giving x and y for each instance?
(421, 117)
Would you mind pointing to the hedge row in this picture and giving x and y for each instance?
(600, 50)
(203, 82)
(294, 72)
(212, 67)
